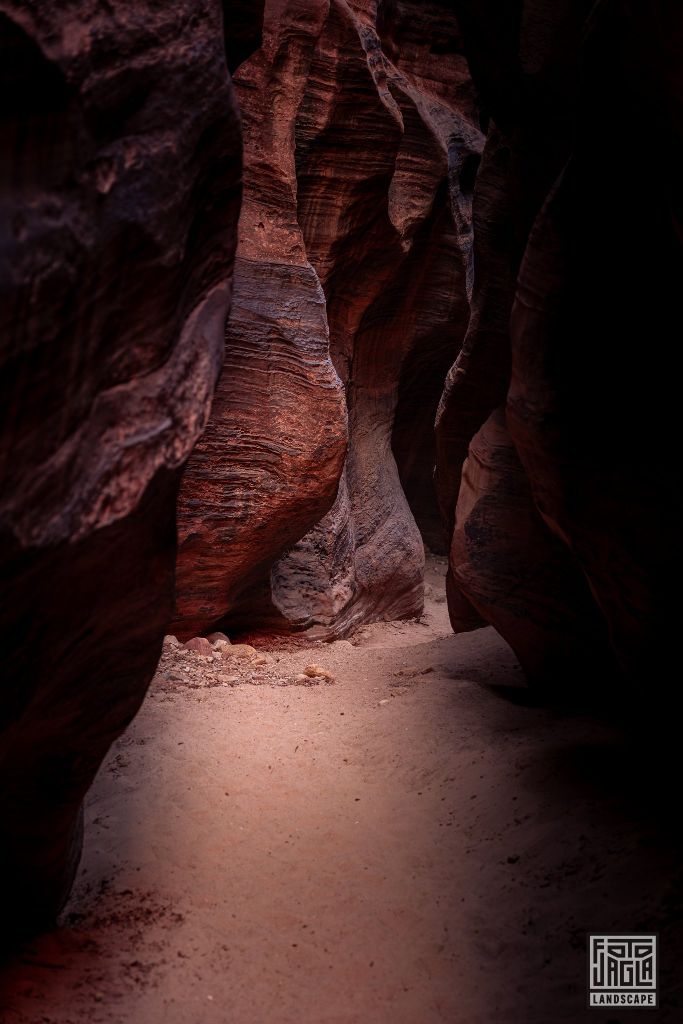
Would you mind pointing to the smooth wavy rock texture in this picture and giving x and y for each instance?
(351, 301)
(121, 168)
(575, 290)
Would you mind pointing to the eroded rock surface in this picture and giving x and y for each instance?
(572, 298)
(351, 301)
(121, 170)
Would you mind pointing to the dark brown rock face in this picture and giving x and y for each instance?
(350, 304)
(574, 295)
(121, 168)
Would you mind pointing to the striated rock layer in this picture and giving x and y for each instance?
(560, 377)
(351, 298)
(121, 168)
(268, 465)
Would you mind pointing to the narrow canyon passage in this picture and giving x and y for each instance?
(340, 508)
(410, 843)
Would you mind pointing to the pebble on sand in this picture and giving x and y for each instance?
(214, 638)
(242, 652)
(200, 645)
(315, 671)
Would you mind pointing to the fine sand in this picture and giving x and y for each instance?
(412, 842)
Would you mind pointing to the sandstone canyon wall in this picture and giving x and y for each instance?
(351, 301)
(121, 179)
(364, 268)
(560, 407)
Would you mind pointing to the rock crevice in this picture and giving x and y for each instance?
(355, 139)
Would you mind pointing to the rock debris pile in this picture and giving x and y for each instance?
(200, 663)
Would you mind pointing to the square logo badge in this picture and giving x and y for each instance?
(622, 970)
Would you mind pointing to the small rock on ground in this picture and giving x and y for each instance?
(200, 645)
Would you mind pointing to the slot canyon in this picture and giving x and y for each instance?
(340, 508)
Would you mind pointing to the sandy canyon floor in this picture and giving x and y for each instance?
(413, 842)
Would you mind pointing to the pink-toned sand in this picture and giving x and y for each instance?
(407, 845)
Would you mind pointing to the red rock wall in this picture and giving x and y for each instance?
(121, 178)
(268, 465)
(577, 253)
(350, 303)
